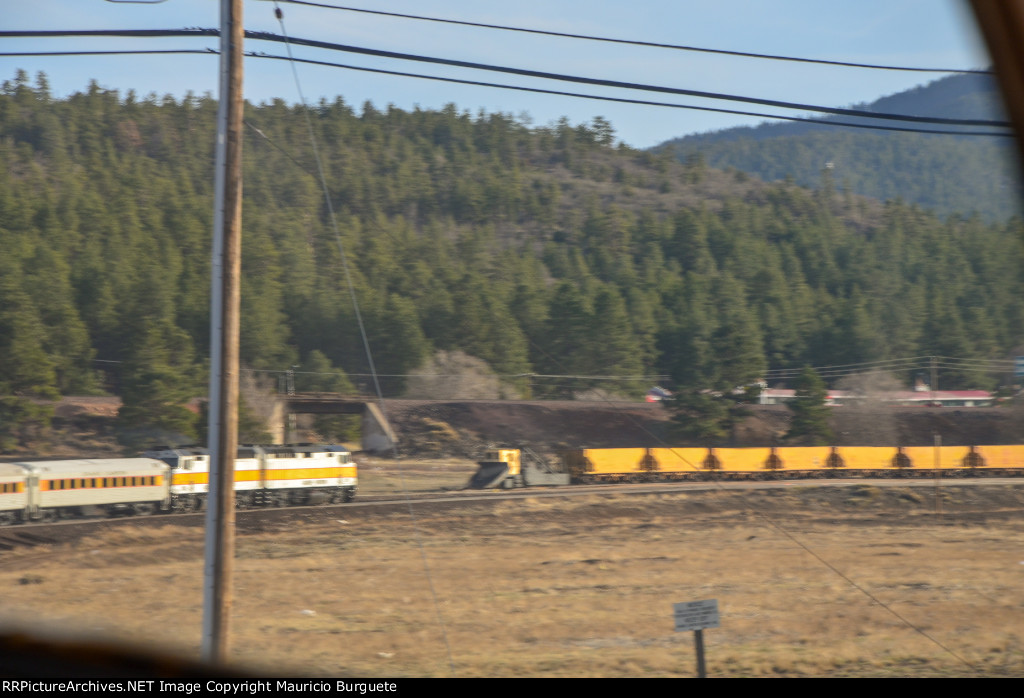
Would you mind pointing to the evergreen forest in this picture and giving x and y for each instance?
(540, 251)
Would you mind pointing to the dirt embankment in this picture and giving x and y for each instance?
(465, 428)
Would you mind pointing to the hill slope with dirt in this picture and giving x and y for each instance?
(465, 428)
(83, 426)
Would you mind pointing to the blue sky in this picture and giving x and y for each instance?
(923, 33)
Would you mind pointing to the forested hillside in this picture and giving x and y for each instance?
(944, 174)
(536, 250)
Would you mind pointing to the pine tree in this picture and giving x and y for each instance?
(25, 366)
(737, 342)
(566, 341)
(157, 382)
(702, 418)
(397, 341)
(22, 421)
(809, 422)
(619, 352)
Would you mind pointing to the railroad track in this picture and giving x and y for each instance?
(25, 537)
(257, 520)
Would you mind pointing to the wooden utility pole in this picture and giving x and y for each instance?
(224, 304)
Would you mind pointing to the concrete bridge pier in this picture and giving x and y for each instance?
(377, 434)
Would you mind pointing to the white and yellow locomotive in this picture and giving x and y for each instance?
(172, 480)
(264, 475)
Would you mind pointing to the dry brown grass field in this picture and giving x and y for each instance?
(570, 587)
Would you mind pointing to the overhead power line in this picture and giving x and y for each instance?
(208, 52)
(644, 102)
(266, 36)
(860, 366)
(914, 363)
(344, 48)
(57, 33)
(633, 42)
(537, 90)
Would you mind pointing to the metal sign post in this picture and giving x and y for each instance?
(695, 616)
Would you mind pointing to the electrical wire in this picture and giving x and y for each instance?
(916, 363)
(623, 100)
(821, 122)
(989, 366)
(126, 52)
(632, 42)
(138, 33)
(344, 48)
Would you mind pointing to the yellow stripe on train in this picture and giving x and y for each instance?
(678, 463)
(269, 475)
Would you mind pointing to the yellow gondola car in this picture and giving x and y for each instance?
(593, 465)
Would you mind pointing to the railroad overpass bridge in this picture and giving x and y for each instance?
(377, 434)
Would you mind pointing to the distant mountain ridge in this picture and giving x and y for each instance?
(946, 174)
